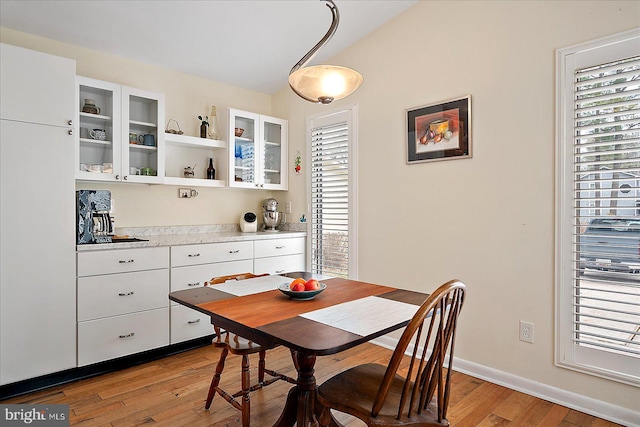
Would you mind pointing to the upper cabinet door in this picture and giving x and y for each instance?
(142, 136)
(274, 140)
(98, 135)
(46, 87)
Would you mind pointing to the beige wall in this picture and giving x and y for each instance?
(186, 97)
(489, 220)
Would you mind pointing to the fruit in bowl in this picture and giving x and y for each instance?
(301, 289)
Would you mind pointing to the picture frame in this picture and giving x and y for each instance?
(440, 131)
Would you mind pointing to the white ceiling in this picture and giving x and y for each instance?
(248, 43)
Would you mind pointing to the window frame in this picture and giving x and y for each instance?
(600, 363)
(350, 113)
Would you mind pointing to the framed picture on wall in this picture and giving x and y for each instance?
(439, 131)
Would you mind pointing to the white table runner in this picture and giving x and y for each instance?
(364, 316)
(251, 286)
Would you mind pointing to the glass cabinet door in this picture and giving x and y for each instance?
(273, 171)
(142, 136)
(244, 134)
(97, 130)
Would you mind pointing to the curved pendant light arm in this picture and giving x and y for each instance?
(332, 29)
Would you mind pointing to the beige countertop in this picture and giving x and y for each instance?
(186, 235)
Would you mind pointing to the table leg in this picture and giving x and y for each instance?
(302, 407)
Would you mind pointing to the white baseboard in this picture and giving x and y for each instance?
(597, 408)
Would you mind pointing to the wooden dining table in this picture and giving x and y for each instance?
(347, 313)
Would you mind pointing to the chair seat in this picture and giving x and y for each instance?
(355, 389)
(236, 344)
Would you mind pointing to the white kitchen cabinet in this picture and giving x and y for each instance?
(278, 256)
(143, 114)
(258, 158)
(123, 304)
(37, 215)
(126, 114)
(183, 151)
(191, 266)
(92, 153)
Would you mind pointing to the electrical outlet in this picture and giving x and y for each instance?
(526, 332)
(287, 208)
(184, 193)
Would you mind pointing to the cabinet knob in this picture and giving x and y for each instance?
(70, 122)
(234, 252)
(280, 247)
(193, 284)
(70, 131)
(193, 322)
(125, 177)
(127, 336)
(193, 255)
(279, 271)
(126, 261)
(123, 294)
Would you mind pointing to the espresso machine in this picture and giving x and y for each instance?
(94, 223)
(271, 217)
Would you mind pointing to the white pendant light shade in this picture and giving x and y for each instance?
(324, 83)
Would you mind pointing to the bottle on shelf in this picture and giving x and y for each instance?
(211, 171)
(213, 124)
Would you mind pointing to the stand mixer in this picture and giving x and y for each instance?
(271, 216)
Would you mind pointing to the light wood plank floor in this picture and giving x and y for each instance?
(171, 392)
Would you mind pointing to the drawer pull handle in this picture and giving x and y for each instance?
(279, 271)
(193, 284)
(193, 322)
(234, 252)
(193, 255)
(122, 294)
(126, 261)
(127, 336)
(280, 247)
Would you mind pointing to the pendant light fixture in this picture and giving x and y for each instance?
(323, 83)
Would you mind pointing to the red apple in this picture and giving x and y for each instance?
(311, 285)
(298, 287)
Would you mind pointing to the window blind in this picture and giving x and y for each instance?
(606, 194)
(330, 199)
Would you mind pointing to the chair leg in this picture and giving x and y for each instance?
(216, 378)
(246, 388)
(261, 366)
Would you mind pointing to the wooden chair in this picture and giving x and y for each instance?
(379, 396)
(234, 344)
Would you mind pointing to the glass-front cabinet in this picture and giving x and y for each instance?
(117, 136)
(98, 147)
(258, 151)
(142, 136)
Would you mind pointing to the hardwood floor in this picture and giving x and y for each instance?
(171, 392)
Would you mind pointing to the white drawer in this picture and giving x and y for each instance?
(280, 264)
(122, 261)
(118, 336)
(195, 275)
(115, 294)
(210, 252)
(188, 324)
(277, 247)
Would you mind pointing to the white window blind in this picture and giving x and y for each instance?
(598, 211)
(330, 199)
(607, 172)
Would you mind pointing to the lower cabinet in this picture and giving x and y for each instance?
(122, 295)
(123, 306)
(277, 256)
(215, 259)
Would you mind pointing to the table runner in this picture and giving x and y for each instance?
(365, 315)
(251, 286)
